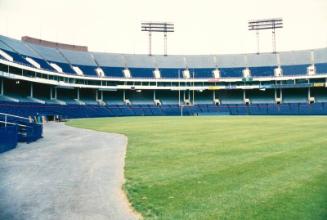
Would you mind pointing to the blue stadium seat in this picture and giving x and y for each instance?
(141, 72)
(231, 72)
(294, 70)
(262, 71)
(113, 71)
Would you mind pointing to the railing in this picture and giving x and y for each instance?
(6, 116)
(11, 123)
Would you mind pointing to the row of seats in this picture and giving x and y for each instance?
(87, 111)
(201, 66)
(288, 70)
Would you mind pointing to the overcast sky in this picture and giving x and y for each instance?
(202, 26)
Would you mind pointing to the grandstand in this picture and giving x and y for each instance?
(57, 80)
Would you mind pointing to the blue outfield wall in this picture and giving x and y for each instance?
(8, 138)
(89, 111)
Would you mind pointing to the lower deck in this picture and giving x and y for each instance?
(88, 111)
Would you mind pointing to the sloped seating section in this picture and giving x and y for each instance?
(113, 71)
(262, 71)
(203, 97)
(142, 66)
(230, 96)
(168, 97)
(320, 94)
(295, 96)
(261, 97)
(170, 73)
(141, 72)
(295, 70)
(89, 111)
(140, 97)
(321, 68)
(18, 58)
(231, 72)
(202, 73)
(88, 70)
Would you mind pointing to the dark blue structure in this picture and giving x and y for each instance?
(89, 111)
(8, 137)
(14, 129)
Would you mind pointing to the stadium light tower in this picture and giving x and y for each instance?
(266, 24)
(162, 27)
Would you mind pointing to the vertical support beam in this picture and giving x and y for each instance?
(244, 95)
(77, 94)
(193, 101)
(281, 94)
(309, 94)
(184, 97)
(213, 95)
(179, 88)
(56, 92)
(101, 94)
(189, 95)
(51, 95)
(31, 90)
(2, 87)
(96, 95)
(275, 94)
(154, 95)
(124, 96)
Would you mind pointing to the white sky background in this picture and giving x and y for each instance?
(201, 26)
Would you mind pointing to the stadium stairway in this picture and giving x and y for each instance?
(14, 129)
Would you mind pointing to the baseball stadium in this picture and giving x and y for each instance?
(107, 135)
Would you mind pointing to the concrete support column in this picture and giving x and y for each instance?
(183, 96)
(31, 90)
(244, 95)
(154, 95)
(281, 94)
(77, 94)
(193, 97)
(124, 96)
(51, 95)
(309, 94)
(193, 94)
(56, 93)
(2, 88)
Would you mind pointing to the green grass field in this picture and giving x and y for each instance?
(224, 167)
